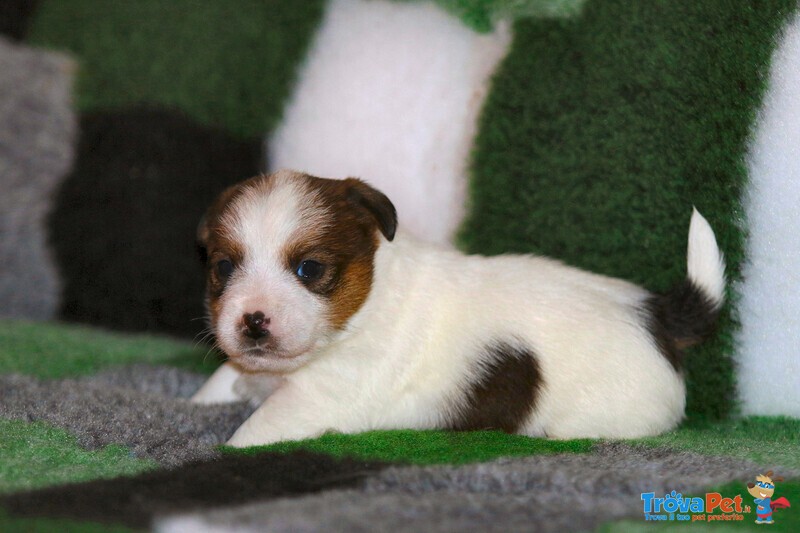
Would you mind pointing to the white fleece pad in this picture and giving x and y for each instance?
(769, 341)
(390, 93)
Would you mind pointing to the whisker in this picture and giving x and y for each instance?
(214, 348)
(206, 334)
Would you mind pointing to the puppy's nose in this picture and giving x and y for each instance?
(255, 325)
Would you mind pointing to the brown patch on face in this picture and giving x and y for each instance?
(345, 242)
(351, 294)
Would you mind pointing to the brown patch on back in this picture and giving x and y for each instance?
(504, 396)
(679, 319)
(345, 241)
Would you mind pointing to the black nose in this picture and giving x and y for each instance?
(255, 325)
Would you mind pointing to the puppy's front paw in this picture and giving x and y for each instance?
(250, 434)
(244, 438)
(237, 442)
(219, 388)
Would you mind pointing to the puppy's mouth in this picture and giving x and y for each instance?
(266, 351)
(268, 359)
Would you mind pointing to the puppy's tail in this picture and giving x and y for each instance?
(705, 264)
(688, 314)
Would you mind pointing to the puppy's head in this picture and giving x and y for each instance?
(289, 261)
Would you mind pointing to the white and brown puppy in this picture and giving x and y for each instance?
(350, 327)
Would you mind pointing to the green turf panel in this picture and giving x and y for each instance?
(50, 350)
(786, 520)
(228, 63)
(35, 455)
(764, 440)
(602, 130)
(426, 447)
(10, 524)
(481, 15)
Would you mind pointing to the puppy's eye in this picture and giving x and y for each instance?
(309, 270)
(224, 269)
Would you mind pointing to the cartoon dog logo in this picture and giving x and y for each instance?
(762, 490)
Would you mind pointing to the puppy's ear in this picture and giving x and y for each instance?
(201, 239)
(376, 203)
(203, 235)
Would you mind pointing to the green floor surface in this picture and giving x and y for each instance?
(35, 455)
(51, 350)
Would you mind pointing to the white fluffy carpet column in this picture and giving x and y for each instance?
(390, 92)
(769, 341)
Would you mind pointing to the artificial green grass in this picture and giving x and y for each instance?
(55, 525)
(600, 133)
(481, 15)
(51, 350)
(764, 440)
(786, 520)
(35, 455)
(227, 63)
(426, 447)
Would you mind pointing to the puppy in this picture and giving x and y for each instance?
(345, 325)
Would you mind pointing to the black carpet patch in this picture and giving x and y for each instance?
(230, 480)
(124, 222)
(15, 16)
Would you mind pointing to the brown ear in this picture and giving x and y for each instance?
(203, 233)
(776, 479)
(751, 485)
(201, 239)
(377, 203)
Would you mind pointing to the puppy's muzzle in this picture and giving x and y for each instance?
(256, 325)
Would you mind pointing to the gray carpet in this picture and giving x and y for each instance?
(37, 144)
(145, 408)
(544, 493)
(142, 407)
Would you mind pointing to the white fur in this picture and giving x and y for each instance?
(229, 383)
(220, 388)
(429, 317)
(705, 265)
(769, 340)
(418, 341)
(391, 92)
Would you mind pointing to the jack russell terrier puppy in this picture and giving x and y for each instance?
(333, 322)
